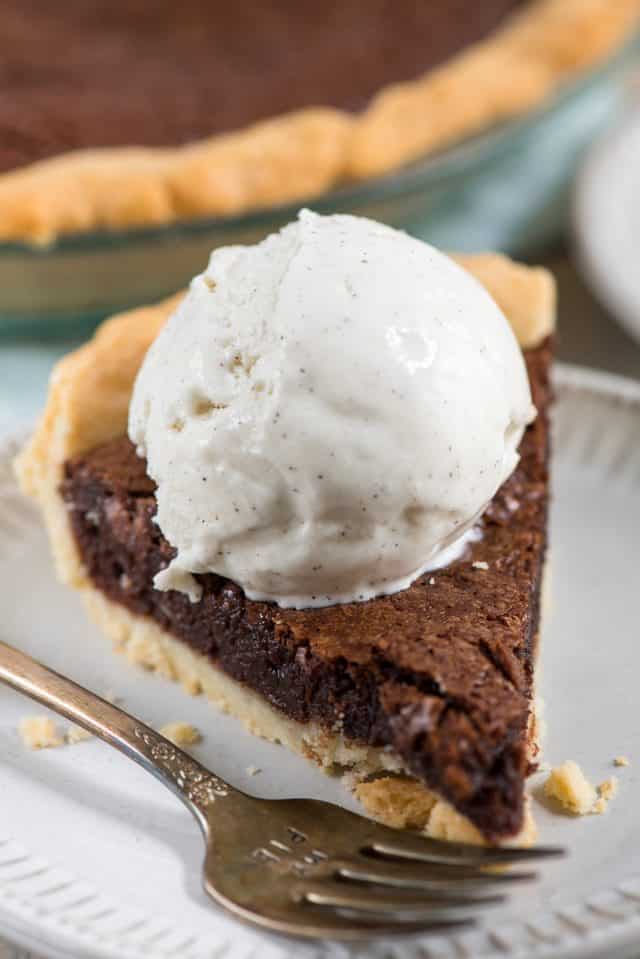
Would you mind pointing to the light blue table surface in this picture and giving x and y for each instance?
(24, 373)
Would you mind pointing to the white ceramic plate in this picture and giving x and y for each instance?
(97, 860)
(607, 221)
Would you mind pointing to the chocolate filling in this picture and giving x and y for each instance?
(158, 73)
(441, 672)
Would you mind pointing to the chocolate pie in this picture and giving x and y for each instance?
(124, 113)
(424, 697)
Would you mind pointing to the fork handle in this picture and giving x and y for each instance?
(189, 780)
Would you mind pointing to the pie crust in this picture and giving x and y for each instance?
(303, 154)
(88, 405)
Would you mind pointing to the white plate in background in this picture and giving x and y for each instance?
(607, 221)
(97, 860)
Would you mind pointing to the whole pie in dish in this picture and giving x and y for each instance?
(129, 113)
(423, 696)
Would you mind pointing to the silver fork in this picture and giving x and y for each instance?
(296, 866)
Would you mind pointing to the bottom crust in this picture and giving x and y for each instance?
(376, 776)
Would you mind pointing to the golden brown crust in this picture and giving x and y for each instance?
(525, 294)
(303, 154)
(88, 400)
(404, 803)
(512, 72)
(298, 155)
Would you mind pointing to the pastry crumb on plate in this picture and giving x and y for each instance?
(568, 784)
(181, 733)
(76, 734)
(606, 791)
(570, 787)
(39, 732)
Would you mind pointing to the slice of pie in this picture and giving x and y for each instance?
(127, 113)
(425, 697)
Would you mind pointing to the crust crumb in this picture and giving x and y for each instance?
(39, 732)
(608, 788)
(76, 734)
(621, 761)
(253, 770)
(606, 792)
(568, 784)
(480, 564)
(181, 733)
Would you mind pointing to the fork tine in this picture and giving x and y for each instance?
(319, 922)
(435, 879)
(303, 918)
(422, 849)
(387, 903)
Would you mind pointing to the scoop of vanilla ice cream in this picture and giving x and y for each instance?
(327, 414)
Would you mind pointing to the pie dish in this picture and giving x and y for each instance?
(434, 682)
(144, 144)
